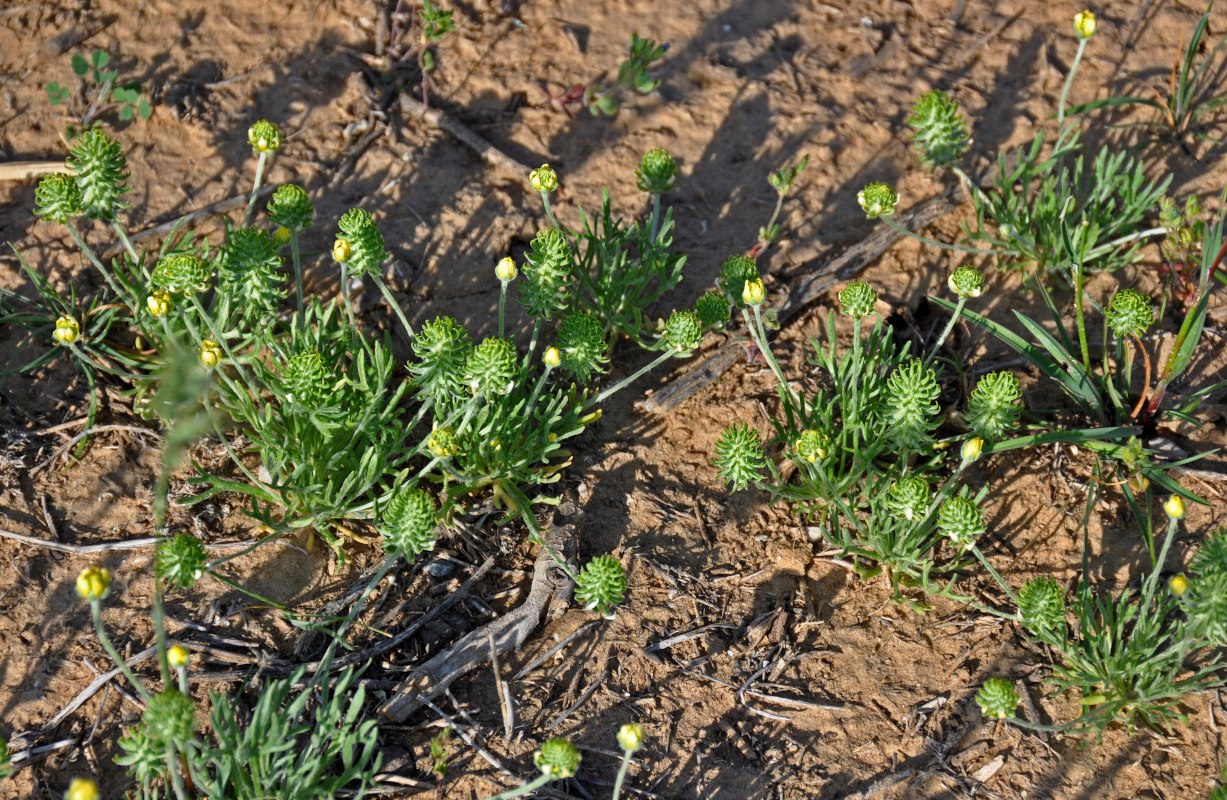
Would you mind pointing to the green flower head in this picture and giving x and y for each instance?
(180, 561)
(657, 172)
(264, 137)
(1041, 605)
(739, 456)
(58, 198)
(409, 523)
(546, 288)
(543, 178)
(909, 497)
(307, 380)
(877, 200)
(960, 521)
(291, 208)
(813, 445)
(181, 272)
(683, 331)
(442, 442)
(909, 405)
(557, 759)
(1205, 599)
(993, 407)
(1129, 313)
(602, 585)
(997, 698)
(490, 368)
(966, 282)
(857, 300)
(713, 309)
(736, 272)
(938, 130)
(366, 249)
(170, 717)
(102, 173)
(581, 344)
(442, 347)
(249, 273)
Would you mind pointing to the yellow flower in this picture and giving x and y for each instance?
(1174, 506)
(82, 789)
(543, 178)
(972, 448)
(1084, 24)
(1178, 584)
(341, 251)
(506, 270)
(177, 656)
(210, 353)
(158, 303)
(552, 357)
(93, 583)
(754, 292)
(67, 330)
(630, 736)
(281, 235)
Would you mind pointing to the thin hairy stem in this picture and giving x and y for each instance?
(954, 318)
(626, 763)
(387, 295)
(532, 786)
(255, 188)
(620, 385)
(95, 608)
(956, 248)
(1069, 81)
(549, 210)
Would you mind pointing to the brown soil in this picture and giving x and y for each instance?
(747, 87)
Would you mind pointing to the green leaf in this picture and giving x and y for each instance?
(101, 58)
(125, 113)
(79, 65)
(143, 108)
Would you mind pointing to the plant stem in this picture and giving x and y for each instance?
(549, 210)
(996, 576)
(957, 248)
(540, 781)
(387, 295)
(95, 608)
(626, 763)
(954, 318)
(89, 253)
(123, 236)
(1069, 81)
(255, 188)
(656, 216)
(1076, 268)
(502, 305)
(296, 258)
(617, 387)
(763, 346)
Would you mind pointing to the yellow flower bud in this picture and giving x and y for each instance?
(177, 656)
(210, 354)
(82, 789)
(93, 583)
(552, 357)
(506, 270)
(158, 303)
(972, 448)
(341, 251)
(1178, 584)
(630, 736)
(1174, 506)
(1084, 24)
(281, 235)
(67, 330)
(754, 292)
(543, 178)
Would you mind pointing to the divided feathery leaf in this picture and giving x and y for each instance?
(909, 405)
(909, 497)
(366, 246)
(581, 342)
(409, 523)
(58, 198)
(490, 367)
(180, 561)
(307, 380)
(249, 273)
(442, 347)
(291, 208)
(602, 585)
(102, 172)
(181, 272)
(960, 521)
(1041, 605)
(993, 407)
(938, 130)
(1129, 313)
(546, 288)
(739, 456)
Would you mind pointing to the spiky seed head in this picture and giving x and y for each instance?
(551, 357)
(264, 137)
(581, 343)
(210, 354)
(546, 288)
(938, 130)
(739, 456)
(602, 585)
(1084, 24)
(878, 200)
(490, 367)
(736, 272)
(557, 759)
(180, 561)
(630, 737)
(409, 523)
(101, 170)
(993, 406)
(181, 272)
(442, 346)
(812, 445)
(966, 281)
(683, 331)
(94, 583)
(57, 198)
(971, 449)
(1205, 595)
(857, 300)
(158, 303)
(1174, 507)
(177, 656)
(1041, 605)
(1129, 313)
(505, 270)
(82, 789)
(909, 404)
(249, 272)
(1178, 584)
(307, 380)
(442, 442)
(909, 497)
(753, 293)
(67, 329)
(997, 698)
(366, 246)
(713, 309)
(960, 521)
(543, 178)
(170, 716)
(657, 172)
(291, 208)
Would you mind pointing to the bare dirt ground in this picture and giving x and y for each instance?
(857, 697)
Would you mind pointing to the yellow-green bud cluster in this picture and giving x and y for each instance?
(657, 172)
(442, 346)
(158, 303)
(857, 300)
(409, 523)
(909, 498)
(442, 442)
(713, 309)
(630, 737)
(557, 759)
(960, 521)
(877, 200)
(94, 583)
(58, 198)
(67, 329)
(1129, 313)
(909, 405)
(813, 445)
(180, 561)
(938, 130)
(739, 456)
(490, 368)
(82, 789)
(602, 585)
(993, 406)
(581, 342)
(365, 242)
(753, 293)
(291, 208)
(997, 698)
(210, 354)
(966, 282)
(264, 137)
(101, 172)
(178, 273)
(736, 272)
(306, 380)
(505, 270)
(1084, 24)
(543, 178)
(1041, 605)
(683, 331)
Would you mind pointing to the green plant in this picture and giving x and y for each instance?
(633, 74)
(99, 93)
